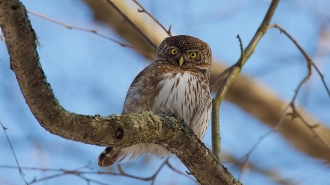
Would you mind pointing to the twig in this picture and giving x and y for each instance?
(310, 63)
(12, 149)
(130, 22)
(156, 173)
(145, 11)
(254, 167)
(322, 78)
(260, 32)
(63, 173)
(281, 121)
(278, 125)
(152, 178)
(262, 137)
(233, 73)
(247, 156)
(83, 29)
(307, 57)
(240, 44)
(121, 171)
(179, 172)
(221, 76)
(88, 180)
(312, 127)
(47, 178)
(79, 172)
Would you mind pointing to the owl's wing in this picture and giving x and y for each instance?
(143, 90)
(202, 115)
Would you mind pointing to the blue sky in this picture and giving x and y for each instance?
(90, 75)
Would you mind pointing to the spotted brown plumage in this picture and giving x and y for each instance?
(175, 84)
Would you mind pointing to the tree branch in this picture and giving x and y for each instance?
(130, 22)
(309, 60)
(83, 29)
(153, 18)
(115, 130)
(12, 149)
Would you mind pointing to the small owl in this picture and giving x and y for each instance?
(175, 84)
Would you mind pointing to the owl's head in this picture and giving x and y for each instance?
(186, 52)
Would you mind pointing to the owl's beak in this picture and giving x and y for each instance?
(181, 61)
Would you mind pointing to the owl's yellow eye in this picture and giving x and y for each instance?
(193, 55)
(174, 51)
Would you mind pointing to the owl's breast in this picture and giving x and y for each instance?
(184, 95)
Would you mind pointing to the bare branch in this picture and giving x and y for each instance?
(152, 178)
(153, 18)
(310, 63)
(177, 171)
(312, 129)
(240, 44)
(309, 60)
(247, 156)
(12, 149)
(322, 78)
(260, 32)
(273, 174)
(121, 171)
(221, 76)
(81, 171)
(63, 172)
(132, 24)
(84, 29)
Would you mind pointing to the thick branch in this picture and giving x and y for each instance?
(115, 130)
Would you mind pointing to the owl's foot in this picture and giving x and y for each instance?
(108, 157)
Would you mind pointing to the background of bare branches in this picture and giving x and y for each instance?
(81, 69)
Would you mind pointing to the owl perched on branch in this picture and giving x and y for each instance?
(175, 84)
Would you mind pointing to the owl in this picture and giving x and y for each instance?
(175, 84)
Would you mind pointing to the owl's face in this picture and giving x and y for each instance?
(186, 52)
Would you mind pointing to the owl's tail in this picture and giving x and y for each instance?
(113, 155)
(109, 156)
